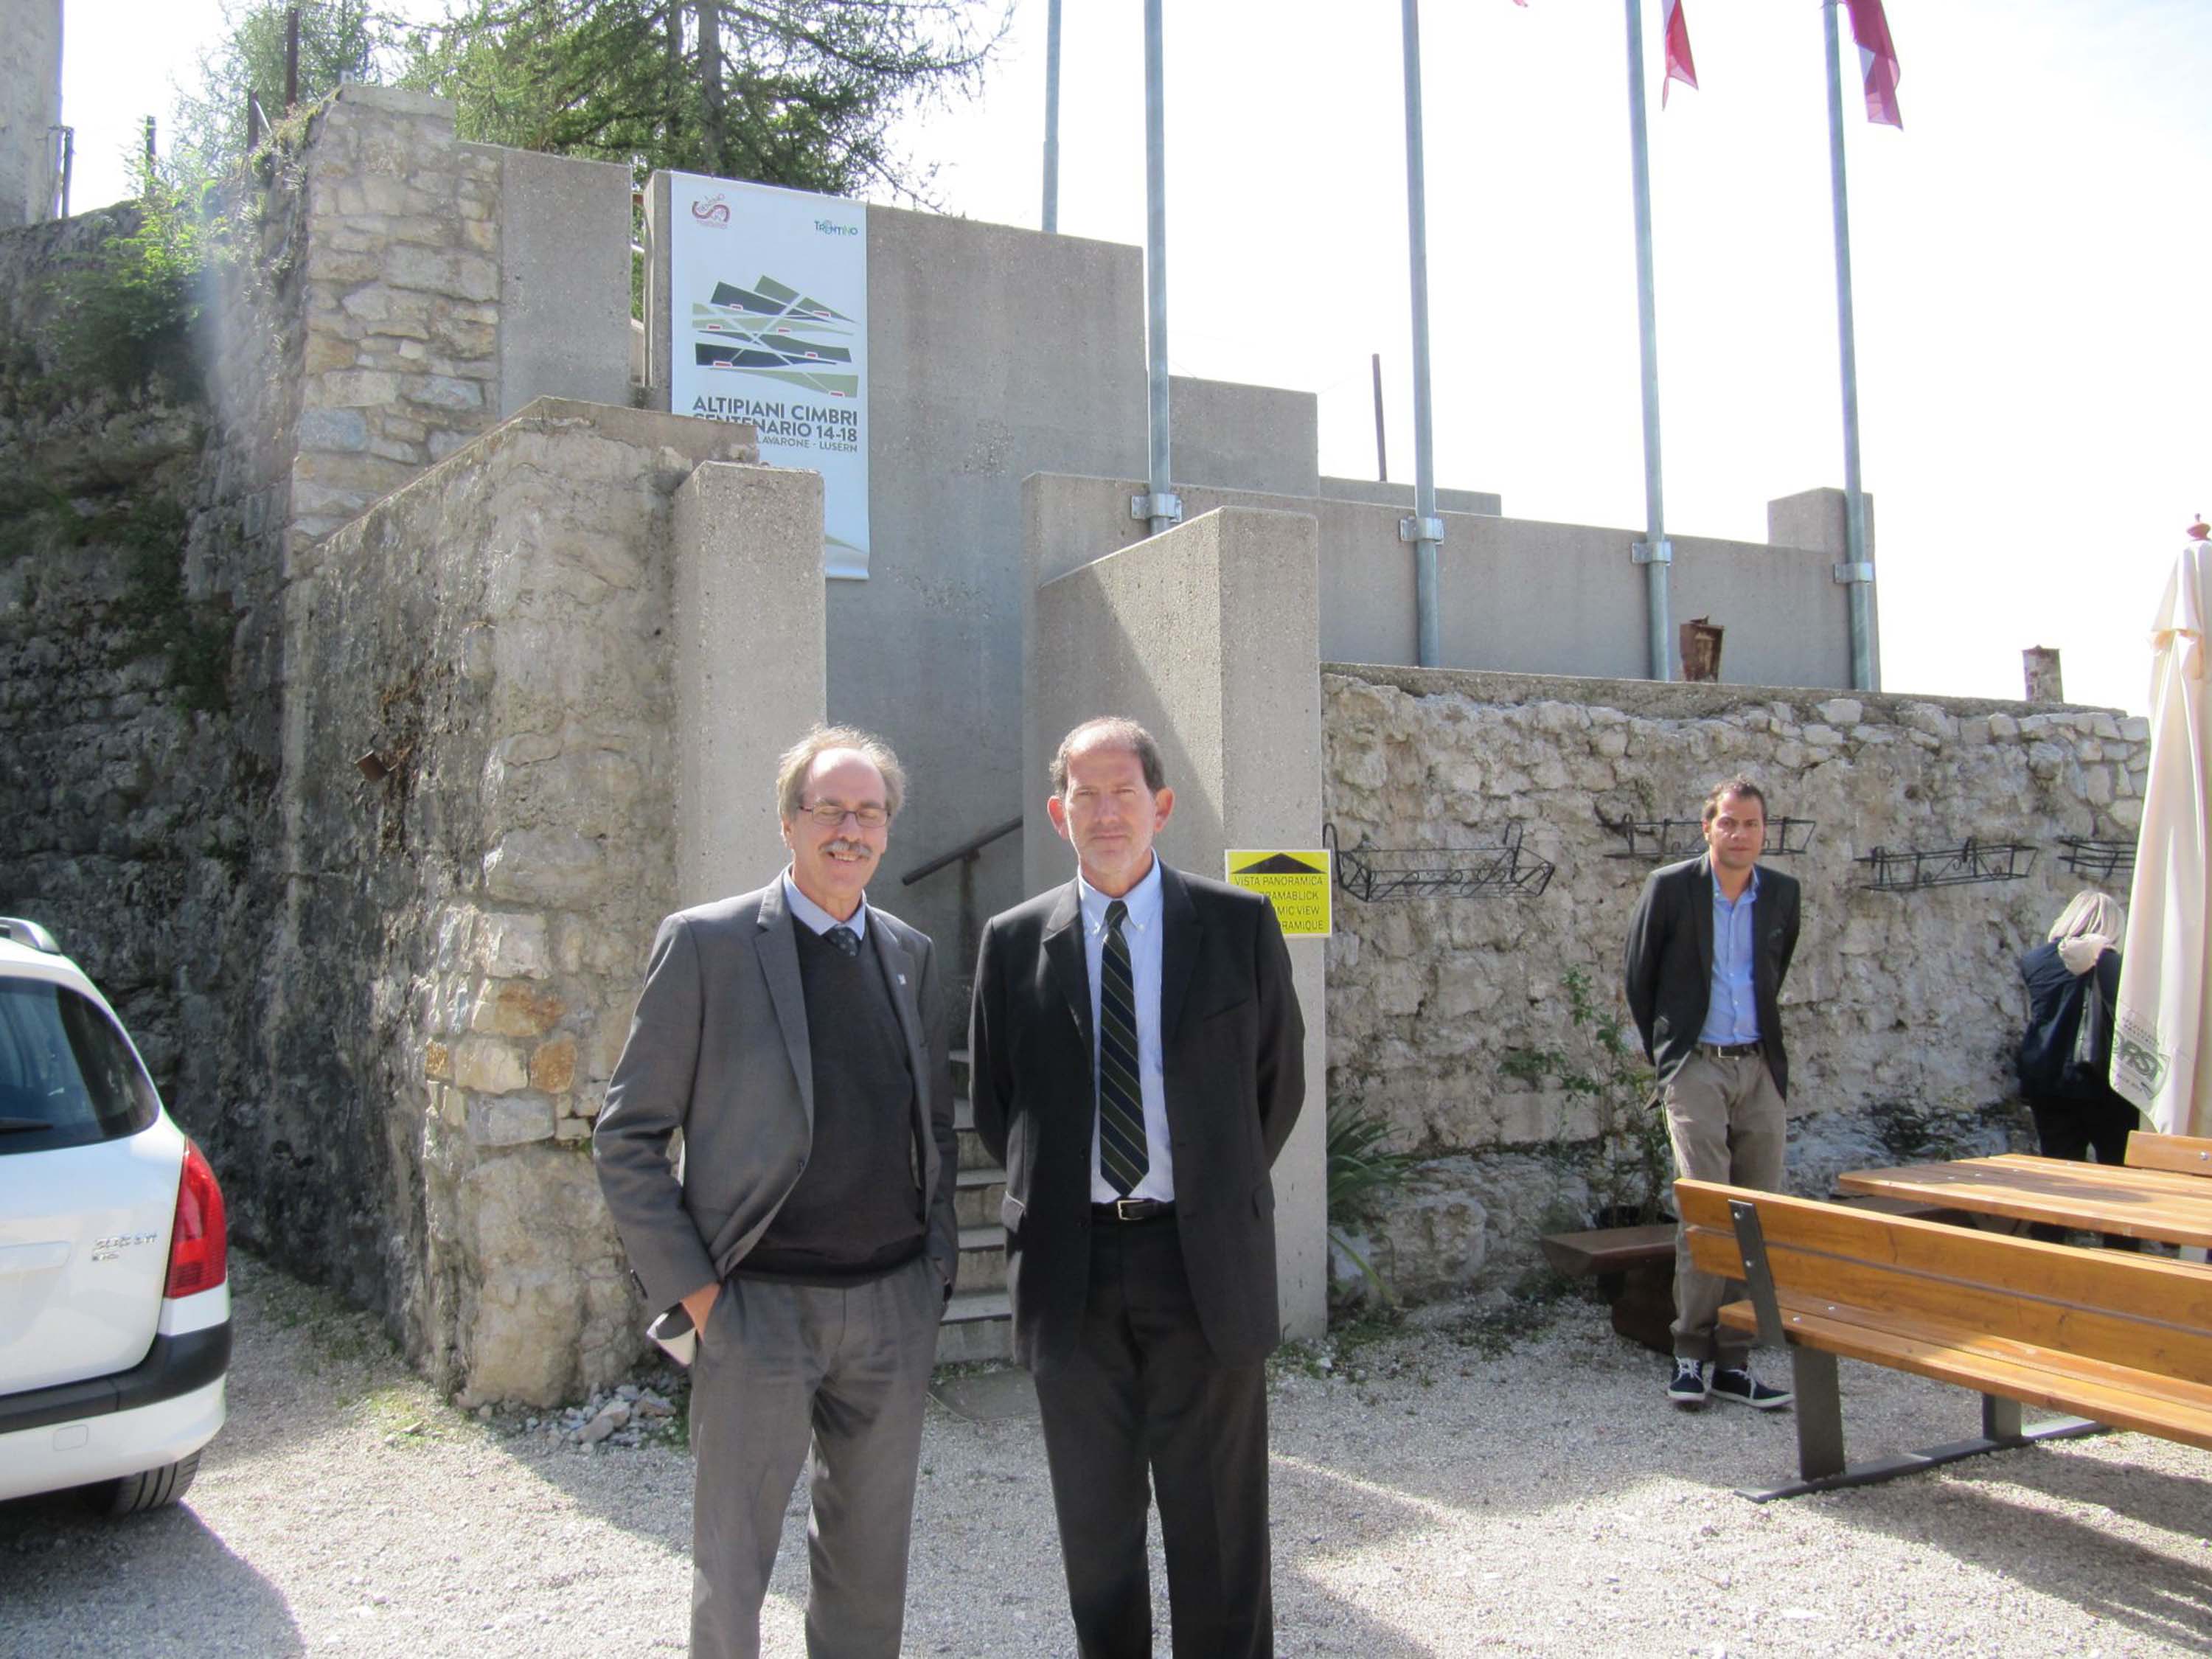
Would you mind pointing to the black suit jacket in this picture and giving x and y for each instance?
(1670, 963)
(1233, 1053)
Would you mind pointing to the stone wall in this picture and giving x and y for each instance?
(1902, 1009)
(403, 286)
(463, 933)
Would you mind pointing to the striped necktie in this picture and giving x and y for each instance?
(1122, 1154)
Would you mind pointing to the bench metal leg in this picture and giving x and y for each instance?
(1820, 1438)
(1820, 1410)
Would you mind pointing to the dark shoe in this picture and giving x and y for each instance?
(1688, 1389)
(1740, 1386)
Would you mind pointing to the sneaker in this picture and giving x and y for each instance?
(1730, 1382)
(1688, 1389)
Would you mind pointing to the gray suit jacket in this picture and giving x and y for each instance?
(719, 1049)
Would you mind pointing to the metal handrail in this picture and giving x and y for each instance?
(968, 849)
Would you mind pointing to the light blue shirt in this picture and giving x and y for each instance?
(1732, 1014)
(817, 919)
(1140, 930)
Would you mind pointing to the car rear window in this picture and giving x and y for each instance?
(67, 1076)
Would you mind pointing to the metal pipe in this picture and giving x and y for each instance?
(1422, 530)
(1158, 518)
(1381, 455)
(291, 58)
(1857, 571)
(1052, 119)
(1657, 553)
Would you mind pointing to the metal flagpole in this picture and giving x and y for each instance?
(1856, 572)
(1158, 507)
(1052, 119)
(1424, 530)
(1655, 552)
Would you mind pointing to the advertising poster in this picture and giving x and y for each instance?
(769, 304)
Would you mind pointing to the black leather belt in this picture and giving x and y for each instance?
(1729, 1050)
(1133, 1209)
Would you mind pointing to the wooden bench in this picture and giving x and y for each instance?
(1634, 1266)
(2182, 1154)
(2122, 1340)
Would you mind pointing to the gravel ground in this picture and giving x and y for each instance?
(1506, 1482)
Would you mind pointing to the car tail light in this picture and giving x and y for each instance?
(198, 1248)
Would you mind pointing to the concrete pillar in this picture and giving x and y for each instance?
(748, 617)
(30, 106)
(564, 236)
(1210, 636)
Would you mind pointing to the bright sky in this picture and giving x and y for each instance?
(2031, 305)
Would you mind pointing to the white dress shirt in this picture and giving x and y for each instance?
(1140, 930)
(817, 919)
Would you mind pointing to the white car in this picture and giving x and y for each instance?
(114, 1292)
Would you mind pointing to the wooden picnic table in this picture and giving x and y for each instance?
(2105, 1198)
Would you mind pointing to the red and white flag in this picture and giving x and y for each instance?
(1878, 58)
(1679, 66)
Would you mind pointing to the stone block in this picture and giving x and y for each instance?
(551, 866)
(509, 1121)
(327, 351)
(444, 391)
(1841, 711)
(333, 428)
(553, 1065)
(513, 944)
(2003, 727)
(516, 1007)
(437, 1063)
(485, 1065)
(358, 389)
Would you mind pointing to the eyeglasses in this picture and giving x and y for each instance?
(830, 815)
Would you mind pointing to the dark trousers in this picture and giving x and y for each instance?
(2071, 1129)
(1143, 1388)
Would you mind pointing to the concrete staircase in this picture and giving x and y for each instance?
(978, 1322)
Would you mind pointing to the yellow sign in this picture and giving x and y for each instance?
(1298, 882)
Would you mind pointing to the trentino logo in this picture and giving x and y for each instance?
(830, 228)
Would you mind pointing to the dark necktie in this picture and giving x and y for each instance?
(846, 940)
(1122, 1156)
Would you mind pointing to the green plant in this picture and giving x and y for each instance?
(1363, 1172)
(129, 312)
(1599, 1068)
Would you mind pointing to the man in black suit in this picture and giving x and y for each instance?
(1708, 947)
(1138, 1058)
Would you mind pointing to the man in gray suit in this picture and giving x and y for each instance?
(808, 1237)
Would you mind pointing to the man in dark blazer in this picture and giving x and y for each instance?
(804, 1249)
(1708, 946)
(1138, 1063)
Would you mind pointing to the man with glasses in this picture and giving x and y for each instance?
(803, 1255)
(1708, 948)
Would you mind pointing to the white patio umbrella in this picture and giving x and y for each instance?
(2162, 1028)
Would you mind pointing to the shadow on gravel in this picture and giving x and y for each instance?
(2011, 1519)
(75, 1583)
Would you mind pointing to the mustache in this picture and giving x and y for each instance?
(840, 845)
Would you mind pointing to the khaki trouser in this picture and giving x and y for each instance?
(1727, 1123)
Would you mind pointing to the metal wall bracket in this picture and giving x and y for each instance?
(2101, 860)
(1971, 861)
(1376, 873)
(1660, 839)
(1148, 507)
(1420, 530)
(1845, 574)
(1659, 552)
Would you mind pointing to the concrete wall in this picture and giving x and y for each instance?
(1902, 1010)
(1400, 496)
(748, 621)
(30, 103)
(564, 236)
(1518, 595)
(1206, 634)
(462, 939)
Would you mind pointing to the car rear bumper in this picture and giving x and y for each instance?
(165, 1407)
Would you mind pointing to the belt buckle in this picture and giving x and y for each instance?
(1126, 1209)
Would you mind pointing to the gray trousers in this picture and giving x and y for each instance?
(1727, 1122)
(779, 1367)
